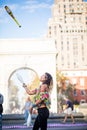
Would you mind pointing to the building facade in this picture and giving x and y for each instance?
(68, 26)
(79, 81)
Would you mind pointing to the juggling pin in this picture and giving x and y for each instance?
(11, 14)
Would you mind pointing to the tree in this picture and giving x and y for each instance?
(64, 88)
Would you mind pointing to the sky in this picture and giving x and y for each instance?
(33, 16)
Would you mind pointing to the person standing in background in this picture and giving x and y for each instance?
(68, 110)
(28, 103)
(1, 109)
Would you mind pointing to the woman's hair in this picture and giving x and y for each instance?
(49, 79)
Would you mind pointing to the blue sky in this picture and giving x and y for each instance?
(33, 16)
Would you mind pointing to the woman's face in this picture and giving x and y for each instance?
(43, 78)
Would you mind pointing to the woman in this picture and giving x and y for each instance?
(42, 100)
(27, 105)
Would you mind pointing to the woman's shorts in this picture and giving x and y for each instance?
(68, 111)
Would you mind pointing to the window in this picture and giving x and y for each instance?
(75, 92)
(64, 6)
(55, 30)
(49, 27)
(82, 92)
(67, 44)
(74, 81)
(81, 81)
(56, 43)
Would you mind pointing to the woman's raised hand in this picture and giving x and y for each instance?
(24, 85)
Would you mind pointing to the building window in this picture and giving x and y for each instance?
(50, 27)
(49, 32)
(64, 6)
(82, 37)
(81, 81)
(67, 44)
(74, 81)
(55, 30)
(56, 44)
(64, 10)
(86, 18)
(62, 64)
(62, 58)
(82, 92)
(82, 51)
(75, 92)
(61, 45)
(83, 59)
(80, 19)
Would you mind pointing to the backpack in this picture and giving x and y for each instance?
(1, 99)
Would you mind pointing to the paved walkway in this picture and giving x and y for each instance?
(54, 123)
(51, 126)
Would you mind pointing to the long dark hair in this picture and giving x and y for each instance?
(49, 80)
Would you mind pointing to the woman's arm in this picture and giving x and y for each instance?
(32, 92)
(38, 102)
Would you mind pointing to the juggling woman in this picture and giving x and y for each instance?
(42, 100)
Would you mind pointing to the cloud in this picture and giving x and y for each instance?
(33, 5)
(27, 5)
(2, 19)
(1, 11)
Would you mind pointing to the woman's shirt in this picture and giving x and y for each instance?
(44, 97)
(27, 105)
(70, 104)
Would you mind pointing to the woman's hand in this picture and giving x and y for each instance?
(24, 85)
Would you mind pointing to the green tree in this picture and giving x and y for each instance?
(64, 88)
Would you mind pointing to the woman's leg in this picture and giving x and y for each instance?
(36, 124)
(65, 118)
(73, 121)
(26, 115)
(41, 120)
(43, 116)
(44, 124)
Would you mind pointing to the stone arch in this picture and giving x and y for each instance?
(17, 94)
(39, 54)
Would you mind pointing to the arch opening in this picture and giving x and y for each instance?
(16, 93)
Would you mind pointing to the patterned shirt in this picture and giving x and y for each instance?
(44, 97)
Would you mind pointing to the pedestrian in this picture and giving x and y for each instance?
(42, 100)
(1, 109)
(68, 110)
(27, 105)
